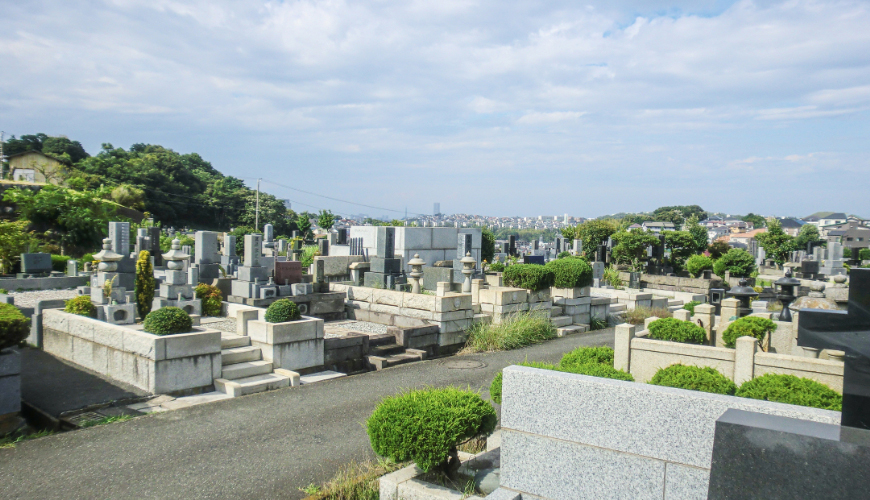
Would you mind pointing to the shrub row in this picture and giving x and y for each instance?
(529, 276)
(570, 272)
(747, 326)
(677, 330)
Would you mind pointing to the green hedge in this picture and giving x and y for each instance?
(426, 425)
(591, 368)
(864, 254)
(571, 272)
(747, 326)
(496, 267)
(586, 355)
(58, 262)
(792, 390)
(694, 378)
(698, 263)
(167, 321)
(529, 276)
(14, 327)
(737, 261)
(677, 330)
(282, 311)
(81, 306)
(691, 306)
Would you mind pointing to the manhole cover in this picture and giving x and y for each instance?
(464, 364)
(84, 418)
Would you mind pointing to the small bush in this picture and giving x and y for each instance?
(694, 378)
(591, 369)
(145, 284)
(518, 330)
(676, 330)
(81, 306)
(698, 263)
(613, 277)
(497, 267)
(282, 311)
(529, 276)
(14, 327)
(864, 254)
(737, 261)
(562, 255)
(747, 326)
(58, 262)
(427, 425)
(211, 298)
(586, 355)
(638, 315)
(167, 321)
(691, 306)
(792, 390)
(4, 291)
(570, 272)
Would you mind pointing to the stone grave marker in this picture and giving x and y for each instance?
(35, 263)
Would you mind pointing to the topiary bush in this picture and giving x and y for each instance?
(58, 262)
(282, 311)
(145, 283)
(530, 276)
(570, 272)
(677, 330)
(81, 306)
(14, 326)
(698, 263)
(586, 355)
(864, 254)
(792, 390)
(496, 267)
(593, 369)
(747, 326)
(694, 378)
(427, 425)
(211, 298)
(737, 261)
(167, 321)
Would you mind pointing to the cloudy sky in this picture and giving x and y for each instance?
(489, 107)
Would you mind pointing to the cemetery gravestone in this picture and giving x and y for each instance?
(512, 246)
(36, 264)
(207, 256)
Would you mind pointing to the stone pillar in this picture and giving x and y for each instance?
(622, 347)
(683, 315)
(649, 320)
(442, 288)
(705, 317)
(475, 290)
(744, 359)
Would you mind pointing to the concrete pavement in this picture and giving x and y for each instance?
(265, 445)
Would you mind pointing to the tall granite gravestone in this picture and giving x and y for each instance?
(323, 246)
(229, 260)
(463, 246)
(254, 280)
(505, 248)
(269, 241)
(385, 268)
(578, 247)
(512, 246)
(342, 237)
(154, 241)
(207, 256)
(119, 234)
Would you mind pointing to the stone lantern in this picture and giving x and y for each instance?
(468, 263)
(175, 256)
(786, 294)
(416, 272)
(108, 259)
(744, 293)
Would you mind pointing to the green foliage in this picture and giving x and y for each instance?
(586, 355)
(308, 254)
(58, 262)
(613, 277)
(677, 330)
(427, 425)
(678, 213)
(697, 264)
(61, 148)
(353, 481)
(573, 272)
(129, 196)
(487, 245)
(14, 327)
(698, 232)
(282, 311)
(326, 219)
(631, 245)
(563, 255)
(303, 223)
(167, 321)
(694, 378)
(145, 283)
(529, 276)
(595, 232)
(239, 233)
(847, 253)
(682, 245)
(717, 249)
(791, 390)
(757, 220)
(638, 315)
(14, 240)
(747, 326)
(738, 261)
(807, 234)
(592, 369)
(775, 242)
(81, 306)
(864, 254)
(517, 330)
(496, 267)
(211, 297)
(3, 291)
(183, 240)
(691, 306)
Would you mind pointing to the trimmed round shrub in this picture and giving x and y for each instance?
(167, 321)
(529, 276)
(14, 326)
(282, 311)
(81, 306)
(58, 262)
(592, 369)
(562, 255)
(677, 330)
(737, 261)
(497, 267)
(586, 355)
(211, 297)
(570, 272)
(864, 254)
(792, 390)
(698, 263)
(694, 378)
(747, 326)
(691, 306)
(427, 425)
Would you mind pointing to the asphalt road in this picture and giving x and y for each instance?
(264, 445)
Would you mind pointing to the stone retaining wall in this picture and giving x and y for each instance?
(693, 285)
(48, 283)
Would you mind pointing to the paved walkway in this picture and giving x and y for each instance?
(265, 445)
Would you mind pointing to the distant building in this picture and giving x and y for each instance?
(856, 236)
(791, 226)
(658, 227)
(436, 209)
(33, 166)
(821, 219)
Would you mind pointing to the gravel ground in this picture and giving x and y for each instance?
(29, 299)
(224, 325)
(357, 326)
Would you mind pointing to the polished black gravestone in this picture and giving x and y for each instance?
(759, 456)
(848, 331)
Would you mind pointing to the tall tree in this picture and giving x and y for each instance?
(808, 234)
(698, 232)
(595, 232)
(756, 220)
(775, 242)
(326, 220)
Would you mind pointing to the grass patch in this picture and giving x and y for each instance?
(639, 314)
(107, 420)
(518, 330)
(11, 441)
(354, 481)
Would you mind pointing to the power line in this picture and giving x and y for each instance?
(336, 199)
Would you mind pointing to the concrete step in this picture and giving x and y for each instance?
(560, 321)
(386, 349)
(381, 362)
(556, 311)
(381, 339)
(617, 308)
(251, 385)
(240, 355)
(246, 369)
(570, 329)
(228, 340)
(674, 308)
(675, 302)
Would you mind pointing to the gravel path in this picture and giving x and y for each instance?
(29, 299)
(223, 324)
(357, 326)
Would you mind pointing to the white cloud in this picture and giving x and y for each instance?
(537, 118)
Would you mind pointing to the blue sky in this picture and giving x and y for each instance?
(489, 107)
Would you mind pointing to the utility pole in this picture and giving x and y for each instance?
(257, 216)
(2, 156)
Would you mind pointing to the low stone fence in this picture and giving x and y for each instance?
(573, 436)
(634, 299)
(700, 286)
(643, 357)
(47, 283)
(501, 302)
(169, 364)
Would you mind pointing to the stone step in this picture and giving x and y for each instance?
(386, 349)
(381, 362)
(617, 308)
(482, 318)
(251, 385)
(674, 308)
(246, 369)
(228, 340)
(240, 355)
(556, 311)
(614, 300)
(560, 321)
(381, 339)
(675, 302)
(570, 329)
